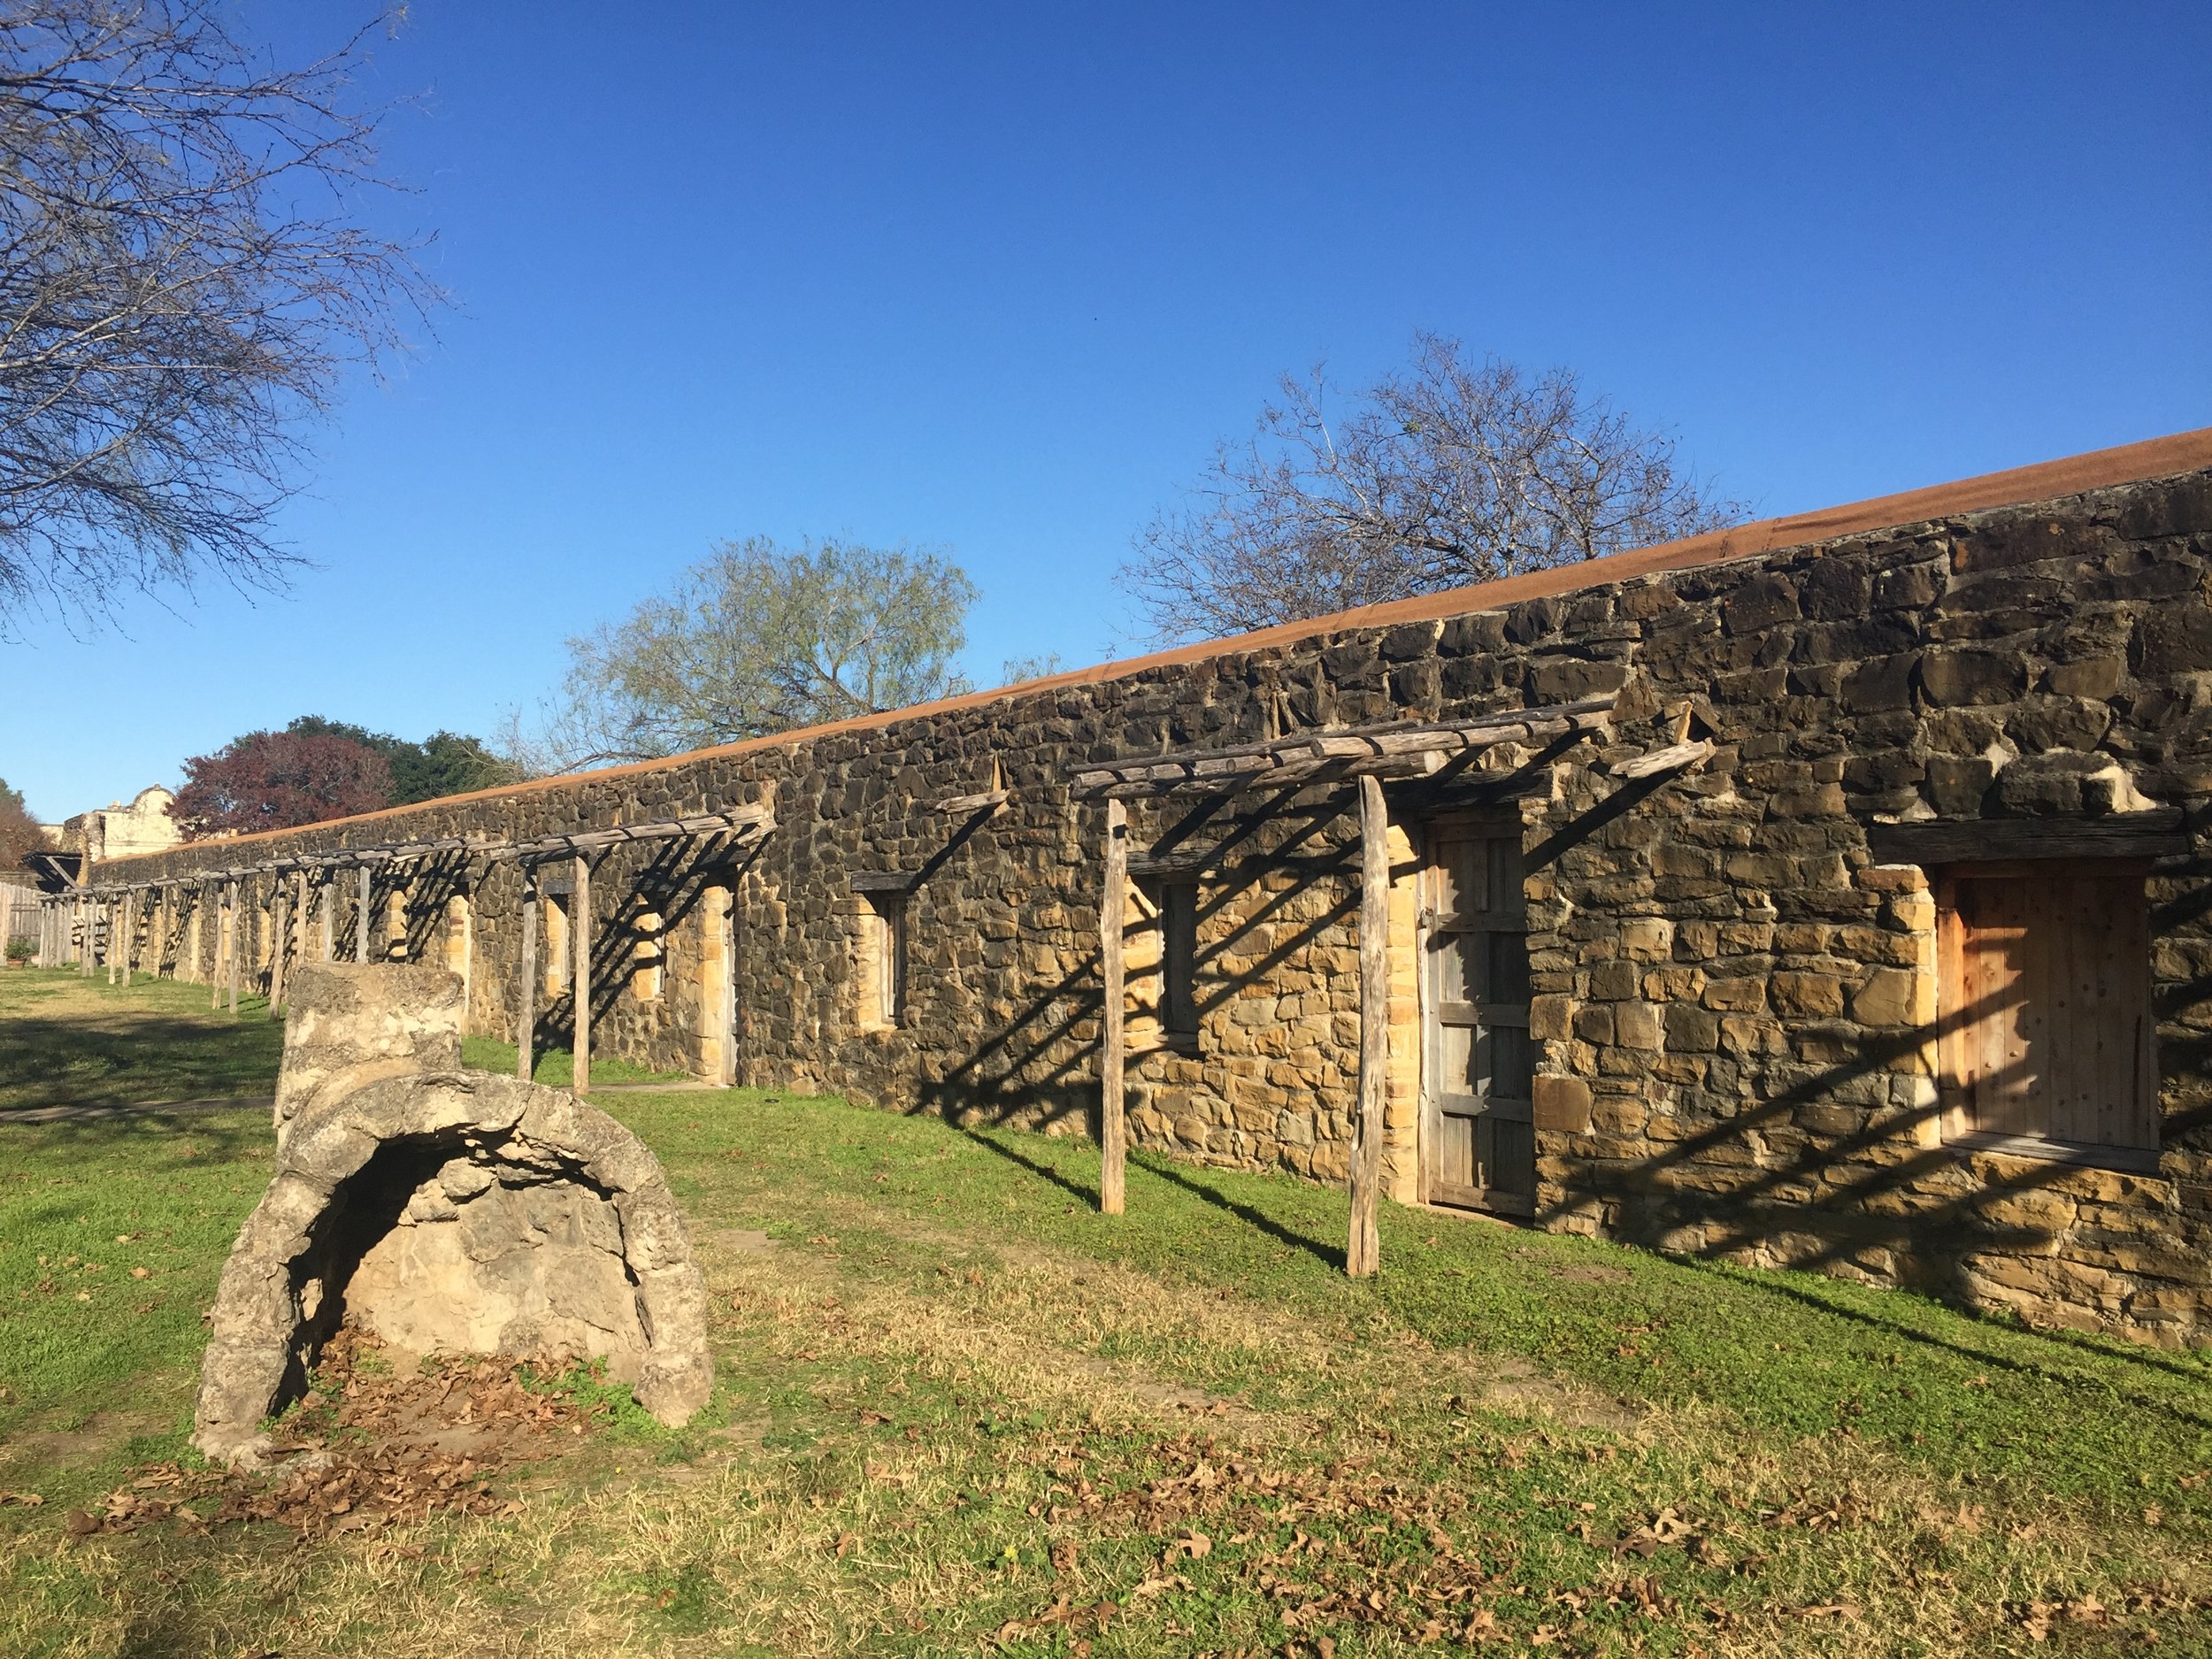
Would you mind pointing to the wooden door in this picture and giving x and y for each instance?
(2047, 1017)
(1477, 1142)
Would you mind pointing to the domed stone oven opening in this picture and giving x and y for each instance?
(457, 1243)
(439, 1211)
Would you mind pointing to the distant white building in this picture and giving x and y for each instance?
(115, 829)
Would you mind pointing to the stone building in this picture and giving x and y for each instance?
(1829, 891)
(117, 829)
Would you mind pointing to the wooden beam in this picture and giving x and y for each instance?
(580, 953)
(1674, 757)
(752, 820)
(326, 898)
(526, 1014)
(1364, 1253)
(1974, 840)
(1112, 1126)
(885, 881)
(1351, 752)
(987, 800)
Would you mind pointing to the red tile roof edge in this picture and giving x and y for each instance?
(2047, 481)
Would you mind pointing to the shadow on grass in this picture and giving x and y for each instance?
(1076, 1189)
(1330, 1255)
(1259, 1220)
(138, 1057)
(218, 1136)
(1774, 1285)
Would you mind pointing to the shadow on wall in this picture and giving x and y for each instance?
(1835, 1199)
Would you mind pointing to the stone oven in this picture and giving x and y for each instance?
(442, 1211)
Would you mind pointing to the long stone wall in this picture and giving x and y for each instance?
(1735, 1000)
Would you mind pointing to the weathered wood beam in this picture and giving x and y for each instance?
(361, 915)
(237, 941)
(527, 1015)
(279, 926)
(986, 800)
(1674, 757)
(1400, 749)
(1969, 840)
(580, 955)
(1112, 1125)
(753, 820)
(1362, 1253)
(885, 881)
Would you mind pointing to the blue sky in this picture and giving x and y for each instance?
(996, 278)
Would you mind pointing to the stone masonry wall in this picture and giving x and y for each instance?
(1734, 1002)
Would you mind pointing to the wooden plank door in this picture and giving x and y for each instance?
(1478, 1143)
(2046, 1015)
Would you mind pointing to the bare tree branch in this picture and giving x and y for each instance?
(1452, 474)
(181, 283)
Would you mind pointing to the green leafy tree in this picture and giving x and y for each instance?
(758, 639)
(443, 764)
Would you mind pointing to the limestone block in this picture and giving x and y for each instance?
(348, 1023)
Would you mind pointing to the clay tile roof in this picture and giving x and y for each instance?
(2048, 480)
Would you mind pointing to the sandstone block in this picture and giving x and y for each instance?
(1889, 997)
(1562, 1105)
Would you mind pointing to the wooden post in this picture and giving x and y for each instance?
(130, 929)
(579, 952)
(237, 942)
(361, 919)
(326, 895)
(85, 915)
(1364, 1254)
(527, 1018)
(299, 914)
(468, 949)
(220, 901)
(1112, 1127)
(280, 929)
(107, 912)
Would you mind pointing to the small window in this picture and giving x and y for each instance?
(1179, 959)
(553, 910)
(882, 963)
(2047, 1037)
(649, 956)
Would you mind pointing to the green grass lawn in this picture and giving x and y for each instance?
(68, 1041)
(958, 1412)
(557, 1068)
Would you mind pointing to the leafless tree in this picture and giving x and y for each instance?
(182, 278)
(758, 639)
(1451, 473)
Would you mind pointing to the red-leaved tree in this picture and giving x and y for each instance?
(276, 780)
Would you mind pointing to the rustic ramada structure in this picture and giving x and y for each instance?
(1832, 891)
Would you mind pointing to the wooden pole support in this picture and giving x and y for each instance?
(237, 940)
(279, 932)
(1113, 1131)
(1362, 1254)
(582, 998)
(361, 919)
(326, 896)
(527, 1015)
